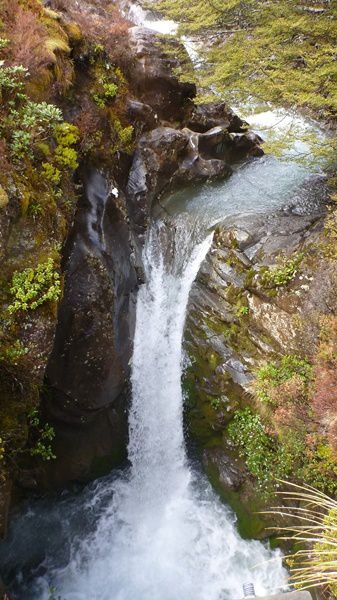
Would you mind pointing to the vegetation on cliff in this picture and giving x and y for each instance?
(62, 101)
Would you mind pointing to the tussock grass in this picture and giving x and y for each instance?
(313, 517)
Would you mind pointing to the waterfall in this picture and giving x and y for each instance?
(160, 532)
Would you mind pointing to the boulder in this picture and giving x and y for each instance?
(152, 73)
(202, 117)
(229, 473)
(166, 157)
(88, 370)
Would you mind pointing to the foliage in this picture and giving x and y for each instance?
(124, 136)
(313, 527)
(280, 52)
(320, 467)
(268, 457)
(27, 35)
(282, 274)
(329, 245)
(51, 173)
(107, 93)
(35, 128)
(45, 435)
(242, 311)
(12, 352)
(33, 287)
(247, 432)
(324, 399)
(270, 377)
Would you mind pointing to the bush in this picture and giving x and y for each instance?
(44, 435)
(275, 378)
(267, 457)
(33, 287)
(282, 274)
(260, 451)
(28, 37)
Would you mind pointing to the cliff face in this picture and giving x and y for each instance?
(101, 99)
(260, 336)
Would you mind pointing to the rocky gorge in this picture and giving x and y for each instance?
(265, 293)
(85, 368)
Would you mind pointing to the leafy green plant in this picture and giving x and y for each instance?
(216, 403)
(242, 311)
(247, 432)
(45, 435)
(269, 377)
(33, 287)
(51, 173)
(13, 352)
(107, 92)
(124, 136)
(282, 274)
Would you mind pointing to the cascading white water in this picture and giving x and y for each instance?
(162, 534)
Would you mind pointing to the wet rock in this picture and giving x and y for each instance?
(229, 474)
(87, 373)
(235, 324)
(247, 144)
(155, 162)
(166, 157)
(152, 73)
(203, 117)
(142, 116)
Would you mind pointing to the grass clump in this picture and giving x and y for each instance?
(313, 517)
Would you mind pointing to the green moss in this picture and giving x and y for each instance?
(250, 524)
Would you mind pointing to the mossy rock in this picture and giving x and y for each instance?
(249, 523)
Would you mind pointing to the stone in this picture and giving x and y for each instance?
(229, 475)
(152, 73)
(203, 117)
(88, 370)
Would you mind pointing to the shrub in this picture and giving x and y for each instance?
(282, 274)
(277, 382)
(33, 287)
(28, 37)
(107, 93)
(45, 434)
(247, 432)
(267, 457)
